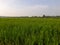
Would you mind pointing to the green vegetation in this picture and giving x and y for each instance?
(29, 31)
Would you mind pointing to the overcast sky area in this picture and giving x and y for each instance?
(29, 7)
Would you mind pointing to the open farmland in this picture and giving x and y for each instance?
(29, 31)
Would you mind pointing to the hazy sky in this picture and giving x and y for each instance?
(29, 7)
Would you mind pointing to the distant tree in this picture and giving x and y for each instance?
(43, 15)
(34, 16)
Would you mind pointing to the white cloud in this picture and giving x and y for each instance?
(53, 11)
(6, 10)
(36, 10)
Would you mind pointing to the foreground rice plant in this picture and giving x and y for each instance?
(29, 31)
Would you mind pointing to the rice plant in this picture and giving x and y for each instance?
(29, 31)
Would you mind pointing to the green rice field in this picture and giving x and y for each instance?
(29, 31)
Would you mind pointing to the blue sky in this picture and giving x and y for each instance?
(29, 7)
